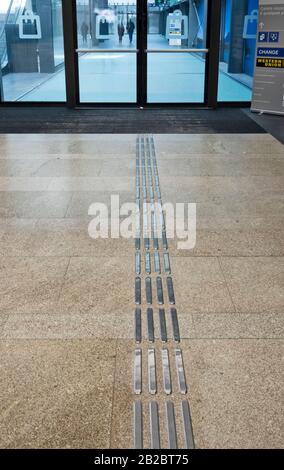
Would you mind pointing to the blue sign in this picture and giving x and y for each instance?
(271, 52)
(273, 37)
(262, 37)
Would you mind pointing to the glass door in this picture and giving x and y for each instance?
(142, 52)
(176, 51)
(107, 50)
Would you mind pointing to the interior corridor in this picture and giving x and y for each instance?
(67, 337)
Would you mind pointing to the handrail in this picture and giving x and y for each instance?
(133, 51)
(136, 51)
(177, 50)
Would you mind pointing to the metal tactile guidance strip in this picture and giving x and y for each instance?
(166, 372)
(148, 286)
(187, 425)
(147, 243)
(154, 425)
(157, 263)
(137, 244)
(152, 372)
(175, 325)
(171, 425)
(138, 263)
(138, 425)
(138, 372)
(147, 263)
(138, 325)
(138, 291)
(171, 293)
(155, 243)
(160, 294)
(148, 189)
(150, 325)
(167, 264)
(163, 325)
(180, 372)
(165, 241)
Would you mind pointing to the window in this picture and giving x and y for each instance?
(32, 51)
(237, 49)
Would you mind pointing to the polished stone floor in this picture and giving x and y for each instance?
(66, 321)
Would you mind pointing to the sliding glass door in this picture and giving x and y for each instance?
(141, 52)
(107, 51)
(176, 51)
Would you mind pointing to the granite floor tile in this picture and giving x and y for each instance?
(241, 158)
(55, 326)
(119, 166)
(56, 394)
(236, 392)
(110, 183)
(190, 146)
(15, 235)
(72, 237)
(82, 200)
(17, 168)
(251, 146)
(222, 166)
(3, 320)
(40, 158)
(31, 284)
(236, 326)
(88, 146)
(69, 168)
(238, 242)
(98, 285)
(210, 188)
(37, 204)
(256, 284)
(24, 183)
(221, 143)
(200, 286)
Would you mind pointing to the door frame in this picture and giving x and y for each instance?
(72, 68)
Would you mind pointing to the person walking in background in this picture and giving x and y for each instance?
(120, 31)
(130, 30)
(84, 32)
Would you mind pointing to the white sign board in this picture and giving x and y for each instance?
(268, 88)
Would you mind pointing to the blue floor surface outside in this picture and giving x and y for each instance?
(111, 78)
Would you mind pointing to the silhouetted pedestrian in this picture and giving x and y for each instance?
(120, 31)
(130, 30)
(84, 32)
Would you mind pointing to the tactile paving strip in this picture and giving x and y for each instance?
(154, 293)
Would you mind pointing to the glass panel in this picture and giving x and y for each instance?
(107, 24)
(175, 25)
(32, 50)
(107, 78)
(176, 78)
(237, 49)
